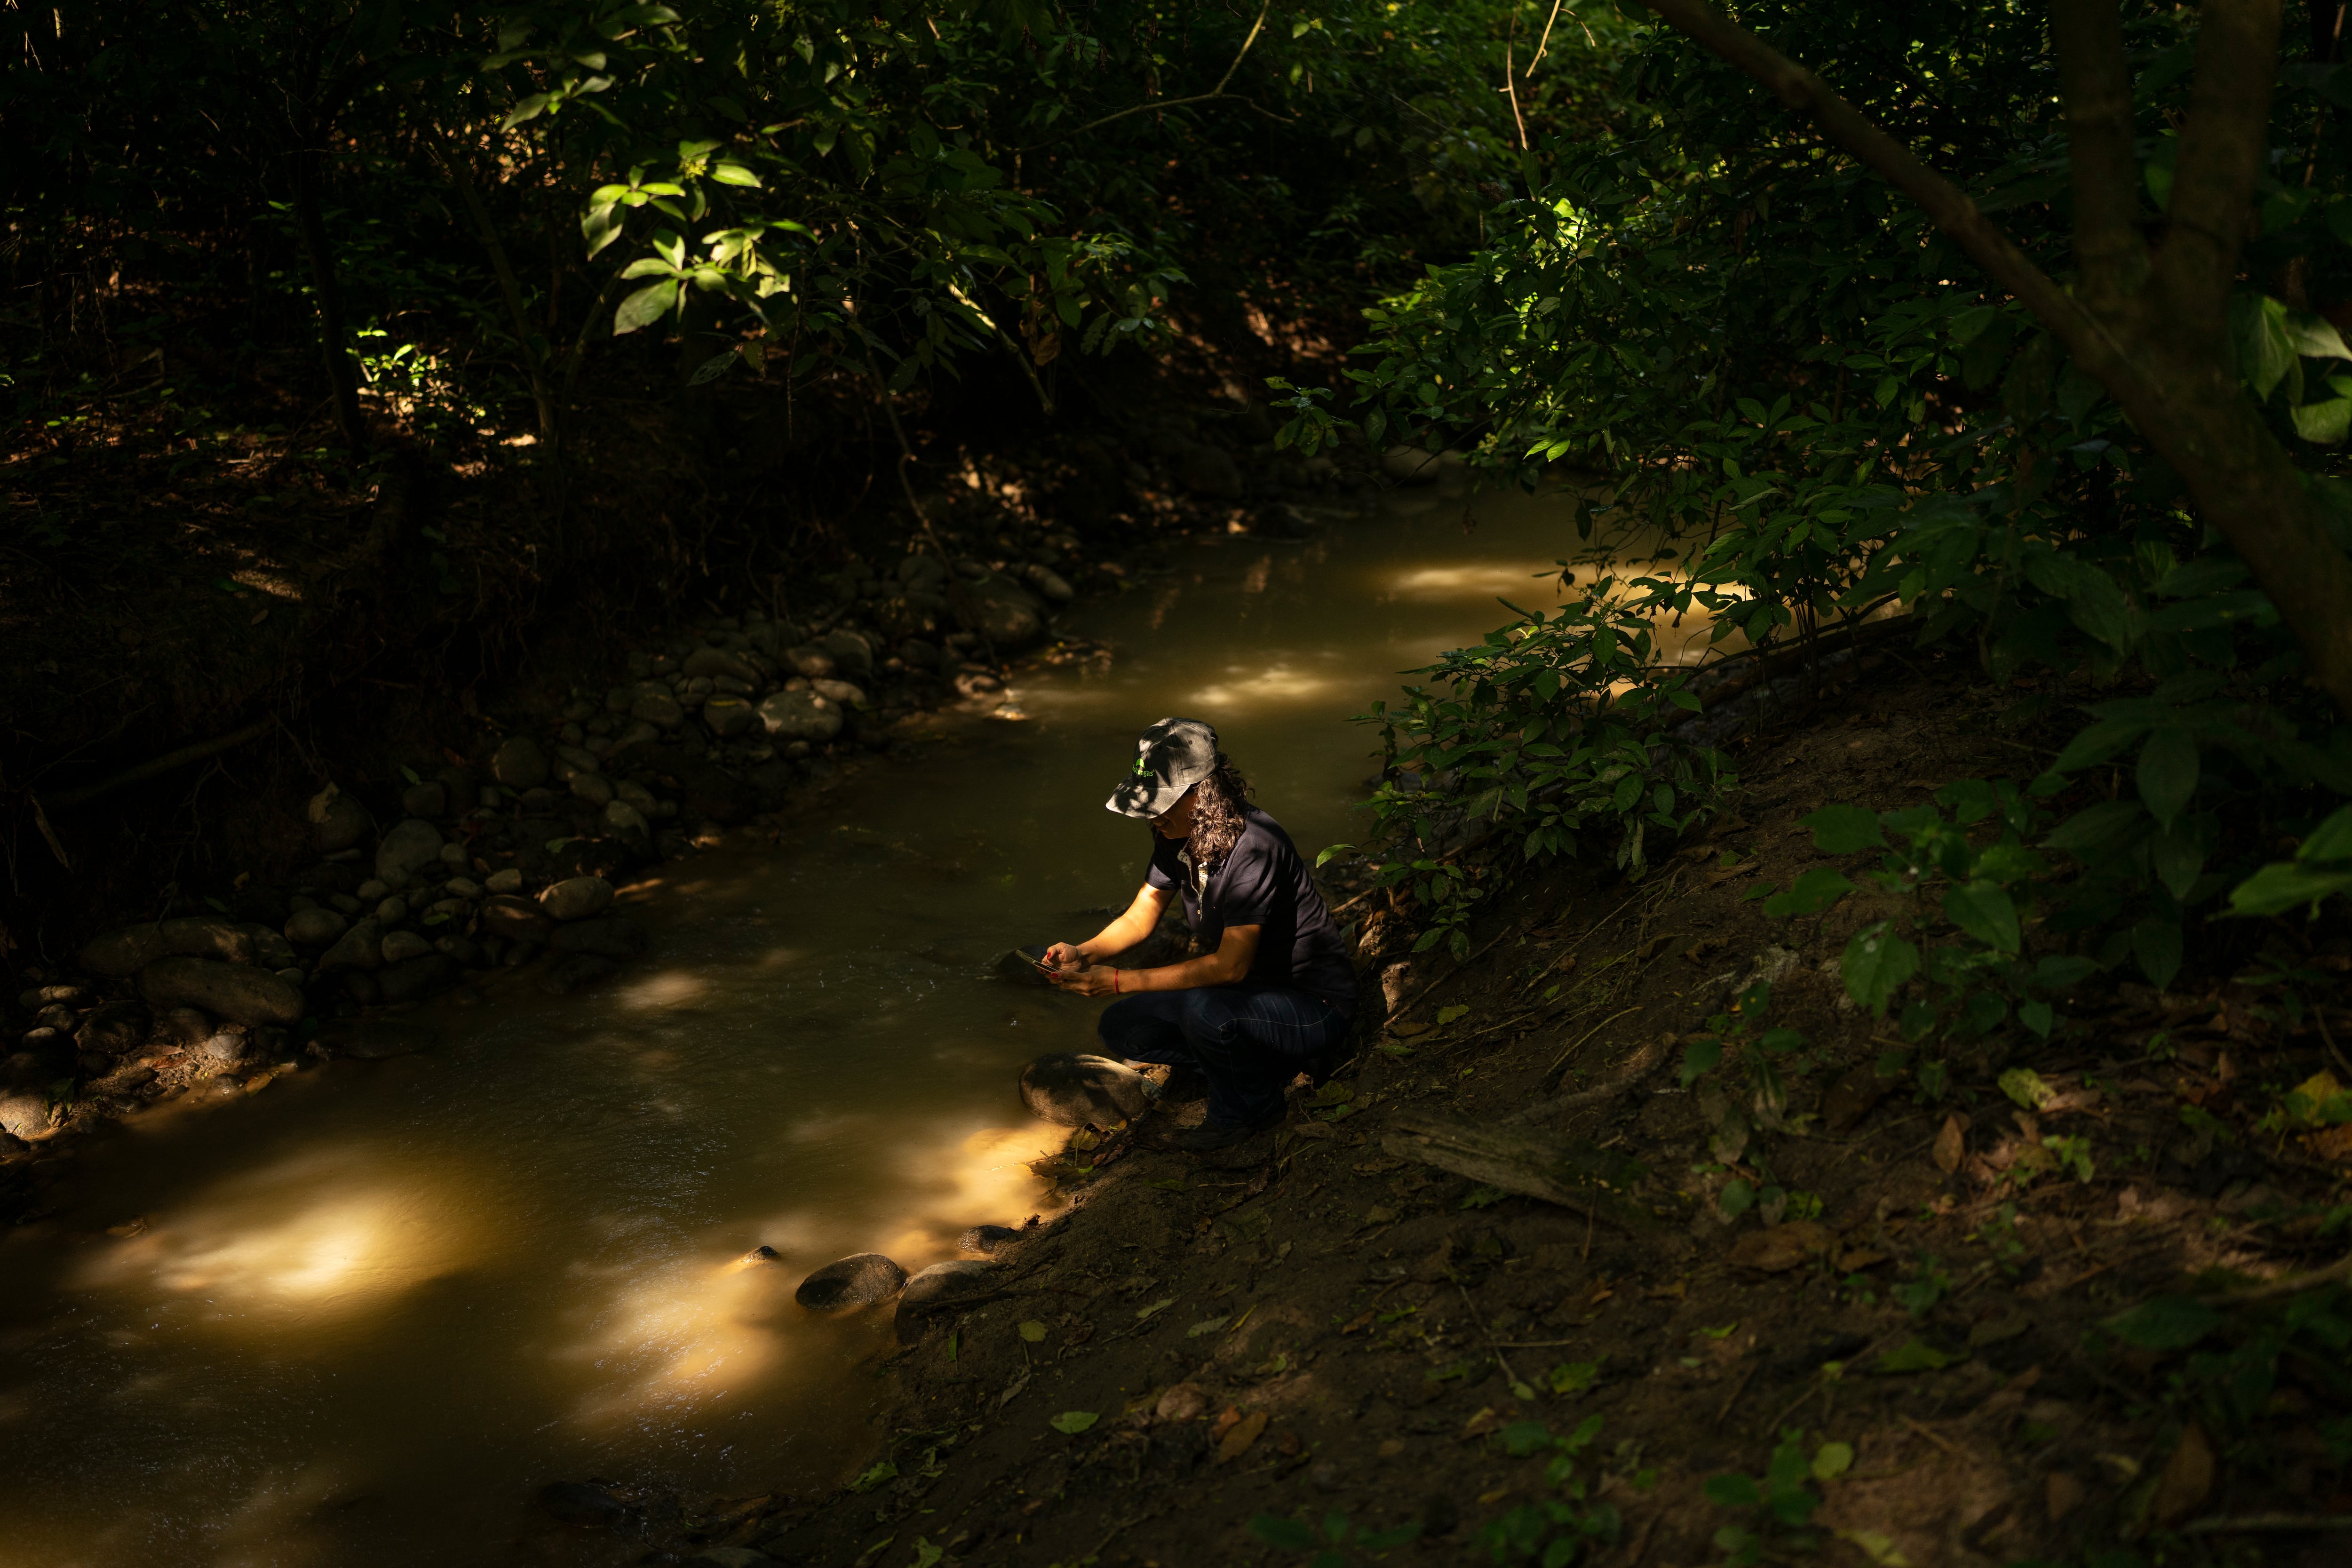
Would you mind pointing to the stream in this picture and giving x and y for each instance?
(360, 1317)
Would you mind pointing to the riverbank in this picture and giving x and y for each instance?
(1926, 1324)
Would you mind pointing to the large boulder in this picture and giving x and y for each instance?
(999, 610)
(576, 899)
(801, 716)
(414, 845)
(337, 821)
(859, 1281)
(1075, 1089)
(133, 948)
(361, 948)
(242, 995)
(315, 927)
(941, 1285)
(520, 764)
(25, 1113)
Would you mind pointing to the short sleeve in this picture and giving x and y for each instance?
(1159, 871)
(1250, 894)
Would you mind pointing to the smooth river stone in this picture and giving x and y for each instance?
(315, 927)
(407, 849)
(576, 899)
(859, 1281)
(133, 948)
(1074, 1089)
(801, 716)
(24, 1113)
(941, 1285)
(232, 991)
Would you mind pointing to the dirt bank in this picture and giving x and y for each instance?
(1970, 1333)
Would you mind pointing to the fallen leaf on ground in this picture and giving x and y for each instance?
(1951, 1144)
(1206, 1326)
(1378, 1216)
(1358, 1323)
(1485, 1421)
(1997, 1330)
(1778, 1247)
(1182, 1402)
(1238, 1441)
(1914, 1355)
(1312, 1130)
(1070, 1423)
(2187, 1478)
(1162, 1305)
(1674, 1293)
(2335, 1144)
(1033, 1330)
(1861, 1257)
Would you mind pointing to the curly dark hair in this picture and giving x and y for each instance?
(1217, 820)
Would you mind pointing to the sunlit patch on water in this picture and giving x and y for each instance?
(1252, 686)
(666, 989)
(327, 1233)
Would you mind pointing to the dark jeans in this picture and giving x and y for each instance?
(1249, 1041)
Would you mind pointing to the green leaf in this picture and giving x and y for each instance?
(734, 174)
(1070, 1423)
(2026, 1086)
(2168, 772)
(2330, 841)
(1155, 1308)
(2165, 1323)
(1914, 1355)
(1875, 964)
(2156, 944)
(2282, 885)
(2324, 424)
(1033, 1330)
(2266, 353)
(1286, 1534)
(878, 1474)
(1985, 912)
(1843, 830)
(1816, 890)
(1733, 1490)
(1206, 1326)
(645, 307)
(1832, 1460)
(529, 109)
(1700, 1057)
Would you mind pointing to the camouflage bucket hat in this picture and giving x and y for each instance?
(1170, 757)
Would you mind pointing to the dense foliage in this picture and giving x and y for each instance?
(1774, 367)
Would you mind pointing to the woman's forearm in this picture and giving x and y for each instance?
(1209, 968)
(1122, 933)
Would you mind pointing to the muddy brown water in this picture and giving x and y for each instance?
(359, 1318)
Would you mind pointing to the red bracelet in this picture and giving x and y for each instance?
(1114, 981)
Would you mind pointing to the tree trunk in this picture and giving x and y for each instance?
(334, 334)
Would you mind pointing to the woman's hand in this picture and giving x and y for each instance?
(1064, 956)
(1090, 980)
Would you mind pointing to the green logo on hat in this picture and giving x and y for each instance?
(1142, 764)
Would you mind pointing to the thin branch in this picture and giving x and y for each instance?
(1212, 96)
(1511, 80)
(1545, 42)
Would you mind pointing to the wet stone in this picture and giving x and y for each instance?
(426, 799)
(232, 991)
(518, 764)
(1019, 966)
(801, 716)
(360, 948)
(414, 979)
(660, 708)
(593, 788)
(337, 821)
(315, 927)
(576, 898)
(989, 1239)
(939, 1286)
(1075, 1089)
(400, 946)
(408, 849)
(23, 1114)
(859, 1281)
(133, 948)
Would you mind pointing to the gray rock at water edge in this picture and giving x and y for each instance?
(1019, 966)
(315, 927)
(337, 821)
(391, 910)
(941, 1285)
(859, 1281)
(574, 970)
(729, 716)
(576, 899)
(24, 1114)
(811, 660)
(614, 936)
(1075, 1089)
(412, 979)
(506, 881)
(801, 716)
(407, 849)
(637, 796)
(511, 918)
(626, 820)
(430, 798)
(593, 788)
(1051, 583)
(716, 661)
(360, 948)
(759, 1256)
(133, 948)
(114, 1027)
(400, 946)
(270, 950)
(577, 1503)
(225, 1049)
(998, 609)
(842, 691)
(571, 760)
(518, 764)
(232, 991)
(991, 1239)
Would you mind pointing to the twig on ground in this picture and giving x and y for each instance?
(2319, 1017)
